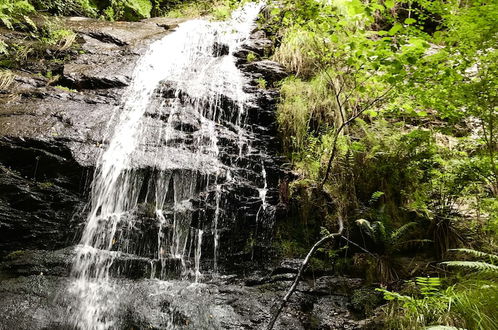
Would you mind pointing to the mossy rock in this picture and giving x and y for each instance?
(366, 300)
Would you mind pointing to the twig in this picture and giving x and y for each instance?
(300, 273)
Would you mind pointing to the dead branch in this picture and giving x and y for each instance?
(302, 268)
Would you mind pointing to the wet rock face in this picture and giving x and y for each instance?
(41, 189)
(51, 136)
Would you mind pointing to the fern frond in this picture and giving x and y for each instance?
(401, 231)
(473, 265)
(380, 232)
(365, 225)
(478, 254)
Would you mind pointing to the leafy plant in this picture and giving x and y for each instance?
(385, 245)
(16, 12)
(487, 266)
(469, 304)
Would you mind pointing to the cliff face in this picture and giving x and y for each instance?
(51, 134)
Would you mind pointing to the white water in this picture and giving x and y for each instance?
(185, 60)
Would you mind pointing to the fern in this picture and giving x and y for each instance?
(478, 254)
(401, 231)
(479, 266)
(429, 286)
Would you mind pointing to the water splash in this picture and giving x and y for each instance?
(186, 70)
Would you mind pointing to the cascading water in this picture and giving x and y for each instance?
(163, 156)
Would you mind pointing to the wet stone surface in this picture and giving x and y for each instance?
(40, 302)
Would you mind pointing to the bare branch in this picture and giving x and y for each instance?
(300, 273)
(345, 124)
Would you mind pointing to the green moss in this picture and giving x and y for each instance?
(45, 185)
(66, 89)
(15, 254)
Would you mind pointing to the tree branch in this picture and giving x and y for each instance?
(345, 124)
(302, 268)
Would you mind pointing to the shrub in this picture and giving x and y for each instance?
(15, 12)
(66, 7)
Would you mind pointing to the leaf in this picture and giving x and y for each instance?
(396, 27)
(476, 253)
(389, 4)
(473, 265)
(410, 21)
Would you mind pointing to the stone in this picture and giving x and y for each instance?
(220, 50)
(270, 71)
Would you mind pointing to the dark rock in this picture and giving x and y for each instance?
(41, 302)
(271, 71)
(328, 285)
(220, 50)
(36, 262)
(41, 189)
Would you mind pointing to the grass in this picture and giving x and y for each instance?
(306, 106)
(6, 79)
(297, 51)
(470, 304)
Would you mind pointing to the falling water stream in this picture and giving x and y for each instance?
(158, 163)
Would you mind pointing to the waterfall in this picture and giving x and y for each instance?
(162, 156)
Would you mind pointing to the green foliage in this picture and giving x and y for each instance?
(130, 10)
(262, 83)
(384, 245)
(53, 34)
(15, 12)
(470, 304)
(487, 266)
(66, 7)
(429, 286)
(397, 101)
(217, 10)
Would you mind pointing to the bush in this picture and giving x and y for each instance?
(66, 7)
(15, 12)
(131, 10)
